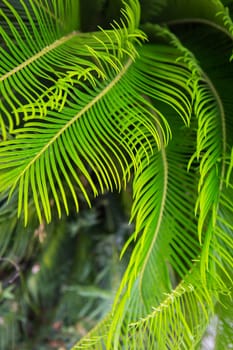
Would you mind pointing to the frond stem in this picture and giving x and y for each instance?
(199, 21)
(170, 298)
(77, 116)
(223, 123)
(184, 286)
(91, 334)
(163, 201)
(39, 54)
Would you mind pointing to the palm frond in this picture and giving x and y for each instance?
(212, 13)
(96, 338)
(214, 120)
(177, 323)
(55, 57)
(163, 246)
(29, 31)
(80, 113)
(153, 311)
(226, 18)
(209, 149)
(156, 193)
(89, 117)
(83, 98)
(156, 200)
(190, 304)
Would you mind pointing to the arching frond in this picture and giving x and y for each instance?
(153, 311)
(177, 323)
(80, 113)
(214, 115)
(53, 59)
(210, 148)
(90, 117)
(164, 244)
(210, 12)
(28, 32)
(103, 50)
(96, 338)
(163, 208)
(226, 18)
(181, 318)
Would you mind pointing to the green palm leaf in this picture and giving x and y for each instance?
(55, 57)
(85, 97)
(210, 12)
(89, 118)
(80, 113)
(190, 304)
(216, 120)
(165, 196)
(26, 41)
(164, 244)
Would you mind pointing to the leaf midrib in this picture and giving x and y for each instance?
(162, 209)
(77, 116)
(39, 54)
(223, 124)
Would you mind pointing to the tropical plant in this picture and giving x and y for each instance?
(144, 102)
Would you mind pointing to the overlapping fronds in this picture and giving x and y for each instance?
(225, 17)
(81, 112)
(210, 12)
(191, 303)
(210, 148)
(56, 58)
(215, 119)
(166, 196)
(164, 244)
(90, 117)
(177, 323)
(210, 152)
(85, 87)
(164, 248)
(29, 33)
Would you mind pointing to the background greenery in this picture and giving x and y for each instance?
(60, 279)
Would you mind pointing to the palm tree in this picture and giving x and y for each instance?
(146, 100)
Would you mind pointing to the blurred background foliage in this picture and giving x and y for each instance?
(58, 280)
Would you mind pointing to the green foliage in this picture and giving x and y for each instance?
(144, 106)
